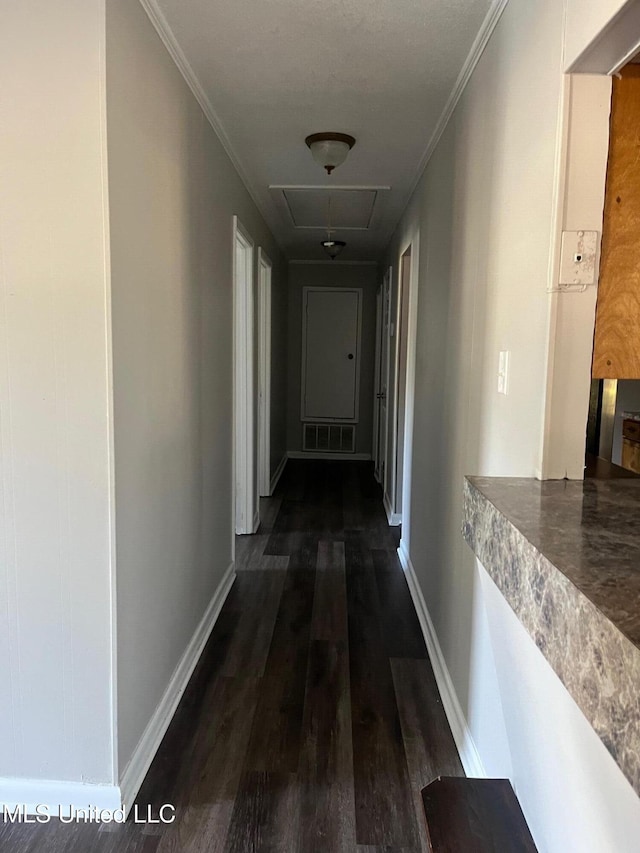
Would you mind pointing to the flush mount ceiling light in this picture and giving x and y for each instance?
(332, 247)
(330, 149)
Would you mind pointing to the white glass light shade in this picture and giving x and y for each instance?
(333, 247)
(329, 153)
(330, 149)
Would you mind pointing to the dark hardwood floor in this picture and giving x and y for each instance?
(312, 720)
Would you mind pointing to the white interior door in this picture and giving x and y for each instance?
(331, 353)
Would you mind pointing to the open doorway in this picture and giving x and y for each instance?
(246, 515)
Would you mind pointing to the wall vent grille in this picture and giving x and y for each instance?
(330, 438)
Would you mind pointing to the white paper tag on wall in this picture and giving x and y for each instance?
(578, 258)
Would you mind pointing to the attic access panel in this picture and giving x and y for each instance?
(350, 208)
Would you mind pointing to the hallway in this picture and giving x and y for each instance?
(313, 719)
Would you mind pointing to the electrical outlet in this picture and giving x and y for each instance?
(503, 372)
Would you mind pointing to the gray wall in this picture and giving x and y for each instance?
(55, 533)
(173, 192)
(332, 274)
(483, 205)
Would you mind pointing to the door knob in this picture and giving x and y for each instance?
(350, 356)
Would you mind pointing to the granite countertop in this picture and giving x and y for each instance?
(588, 529)
(566, 557)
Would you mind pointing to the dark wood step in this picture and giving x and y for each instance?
(475, 816)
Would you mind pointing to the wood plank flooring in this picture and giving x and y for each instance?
(312, 720)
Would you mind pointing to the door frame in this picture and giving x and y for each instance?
(245, 500)
(264, 373)
(303, 378)
(400, 515)
(383, 328)
(377, 376)
(411, 248)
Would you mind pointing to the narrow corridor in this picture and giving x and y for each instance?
(313, 718)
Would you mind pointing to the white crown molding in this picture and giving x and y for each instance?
(477, 49)
(161, 26)
(163, 29)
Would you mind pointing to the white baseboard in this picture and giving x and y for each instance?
(469, 755)
(277, 474)
(256, 521)
(144, 753)
(319, 454)
(53, 794)
(394, 518)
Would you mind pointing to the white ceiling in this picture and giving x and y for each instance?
(274, 71)
(318, 208)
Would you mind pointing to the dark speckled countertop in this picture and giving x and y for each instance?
(590, 530)
(566, 557)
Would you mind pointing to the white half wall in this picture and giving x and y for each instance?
(56, 572)
(572, 792)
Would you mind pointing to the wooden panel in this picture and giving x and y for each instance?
(475, 816)
(425, 730)
(631, 455)
(325, 771)
(265, 816)
(616, 352)
(399, 622)
(275, 739)
(631, 429)
(385, 813)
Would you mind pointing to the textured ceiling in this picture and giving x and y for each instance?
(275, 71)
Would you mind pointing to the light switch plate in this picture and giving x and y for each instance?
(578, 258)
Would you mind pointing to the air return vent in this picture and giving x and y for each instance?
(330, 438)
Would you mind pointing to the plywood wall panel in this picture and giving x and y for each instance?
(617, 333)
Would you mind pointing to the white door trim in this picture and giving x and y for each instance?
(392, 404)
(305, 292)
(245, 504)
(412, 245)
(387, 285)
(375, 440)
(264, 374)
